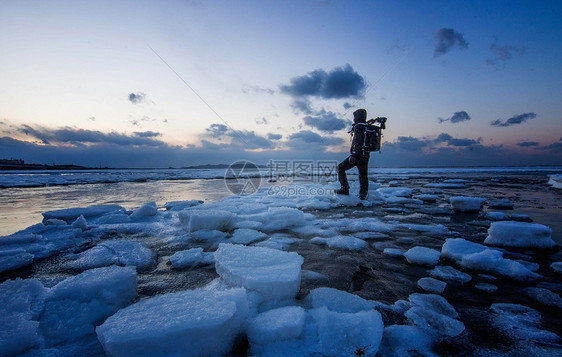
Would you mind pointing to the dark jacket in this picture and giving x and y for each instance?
(359, 116)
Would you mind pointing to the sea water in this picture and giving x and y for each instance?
(24, 195)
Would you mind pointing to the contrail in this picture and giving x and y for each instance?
(240, 135)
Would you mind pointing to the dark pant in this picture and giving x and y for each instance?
(362, 164)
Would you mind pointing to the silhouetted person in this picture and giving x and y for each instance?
(358, 157)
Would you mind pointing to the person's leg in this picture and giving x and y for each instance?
(363, 167)
(342, 177)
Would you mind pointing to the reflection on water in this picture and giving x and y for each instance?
(22, 207)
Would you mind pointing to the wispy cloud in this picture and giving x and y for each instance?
(502, 54)
(514, 120)
(526, 144)
(447, 39)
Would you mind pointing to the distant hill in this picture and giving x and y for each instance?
(19, 164)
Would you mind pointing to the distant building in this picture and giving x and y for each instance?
(12, 161)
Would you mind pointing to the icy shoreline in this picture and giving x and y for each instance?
(407, 270)
(23, 179)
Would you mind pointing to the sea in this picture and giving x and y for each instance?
(25, 195)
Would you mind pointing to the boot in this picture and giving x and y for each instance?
(363, 195)
(342, 191)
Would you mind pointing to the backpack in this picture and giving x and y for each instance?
(372, 138)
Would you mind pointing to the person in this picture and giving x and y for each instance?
(359, 157)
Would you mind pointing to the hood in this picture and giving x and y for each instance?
(359, 116)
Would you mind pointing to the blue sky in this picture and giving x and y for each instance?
(462, 83)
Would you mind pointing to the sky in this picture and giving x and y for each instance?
(182, 83)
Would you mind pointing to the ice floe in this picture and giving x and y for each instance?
(520, 235)
(467, 204)
(477, 256)
(422, 255)
(341, 242)
(270, 272)
(118, 252)
(205, 323)
(432, 285)
(191, 258)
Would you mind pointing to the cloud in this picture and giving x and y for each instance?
(518, 119)
(256, 89)
(525, 144)
(447, 39)
(137, 97)
(308, 140)
(146, 134)
(339, 83)
(242, 139)
(262, 121)
(553, 148)
(81, 137)
(347, 105)
(302, 105)
(501, 54)
(451, 141)
(326, 121)
(457, 117)
(272, 136)
(407, 143)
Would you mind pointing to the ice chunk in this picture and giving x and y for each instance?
(496, 216)
(405, 340)
(434, 321)
(341, 242)
(119, 252)
(78, 304)
(278, 218)
(147, 210)
(432, 285)
(423, 256)
(208, 235)
(557, 267)
(395, 191)
(195, 219)
(111, 218)
(456, 248)
(467, 204)
(434, 303)
(445, 185)
(520, 217)
(272, 273)
(284, 323)
(80, 222)
(179, 205)
(278, 242)
(338, 301)
(555, 181)
(198, 323)
(312, 275)
(486, 287)
(246, 236)
(450, 274)
(393, 252)
(348, 334)
(21, 302)
(519, 234)
(438, 229)
(503, 203)
(11, 259)
(544, 296)
(521, 323)
(68, 214)
(191, 258)
(427, 197)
